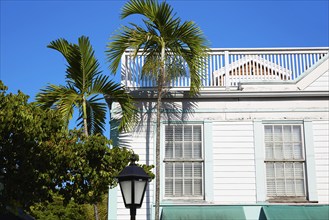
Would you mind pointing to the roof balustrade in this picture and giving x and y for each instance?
(228, 67)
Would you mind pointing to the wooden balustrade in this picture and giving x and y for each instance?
(228, 67)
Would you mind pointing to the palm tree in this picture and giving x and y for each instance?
(84, 89)
(164, 41)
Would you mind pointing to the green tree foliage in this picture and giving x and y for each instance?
(39, 158)
(85, 88)
(88, 166)
(56, 210)
(25, 157)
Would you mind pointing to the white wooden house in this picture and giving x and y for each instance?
(253, 145)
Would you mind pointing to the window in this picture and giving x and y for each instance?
(285, 161)
(183, 161)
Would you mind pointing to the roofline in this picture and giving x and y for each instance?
(222, 94)
(265, 49)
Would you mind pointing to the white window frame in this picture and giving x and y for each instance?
(310, 172)
(184, 160)
(287, 193)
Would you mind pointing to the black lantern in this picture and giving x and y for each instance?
(133, 182)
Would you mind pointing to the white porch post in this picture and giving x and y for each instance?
(124, 70)
(227, 75)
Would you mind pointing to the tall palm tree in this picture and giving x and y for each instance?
(84, 89)
(164, 41)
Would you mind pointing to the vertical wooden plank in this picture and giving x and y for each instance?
(227, 77)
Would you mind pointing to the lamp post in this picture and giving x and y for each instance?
(133, 181)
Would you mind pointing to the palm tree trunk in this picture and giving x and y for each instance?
(157, 158)
(96, 212)
(84, 109)
(85, 127)
(157, 143)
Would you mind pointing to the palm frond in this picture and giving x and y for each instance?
(182, 41)
(89, 64)
(142, 7)
(61, 98)
(96, 114)
(116, 93)
(135, 38)
(72, 56)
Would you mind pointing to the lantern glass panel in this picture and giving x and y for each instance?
(126, 191)
(139, 190)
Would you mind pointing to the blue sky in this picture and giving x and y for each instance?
(27, 27)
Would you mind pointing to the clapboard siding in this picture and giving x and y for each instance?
(321, 149)
(234, 167)
(233, 199)
(320, 84)
(240, 186)
(144, 213)
(138, 142)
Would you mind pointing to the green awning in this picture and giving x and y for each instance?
(296, 212)
(203, 212)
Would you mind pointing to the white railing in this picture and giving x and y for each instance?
(228, 67)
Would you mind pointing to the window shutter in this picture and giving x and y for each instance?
(284, 160)
(169, 188)
(183, 161)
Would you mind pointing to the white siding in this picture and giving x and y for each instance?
(234, 167)
(233, 150)
(321, 150)
(320, 84)
(138, 142)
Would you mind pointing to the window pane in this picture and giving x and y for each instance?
(169, 133)
(188, 170)
(288, 151)
(169, 187)
(277, 133)
(299, 170)
(300, 188)
(188, 187)
(279, 173)
(290, 188)
(178, 187)
(268, 133)
(197, 135)
(289, 170)
(278, 153)
(169, 150)
(197, 150)
(198, 187)
(198, 170)
(287, 133)
(297, 131)
(298, 152)
(271, 188)
(187, 133)
(178, 150)
(269, 151)
(178, 170)
(188, 150)
(178, 133)
(270, 173)
(169, 170)
(280, 187)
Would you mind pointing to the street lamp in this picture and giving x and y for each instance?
(133, 181)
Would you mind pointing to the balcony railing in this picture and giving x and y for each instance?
(228, 67)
